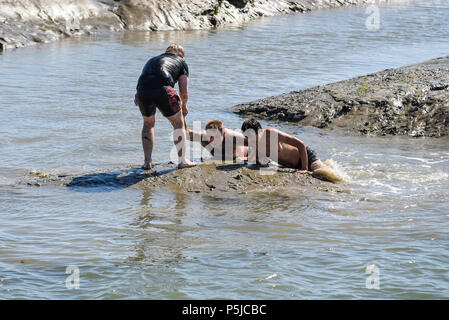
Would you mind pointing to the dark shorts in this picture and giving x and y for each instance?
(165, 99)
(311, 156)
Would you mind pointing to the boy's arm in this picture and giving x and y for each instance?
(264, 148)
(240, 144)
(198, 136)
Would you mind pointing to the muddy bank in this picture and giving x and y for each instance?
(411, 100)
(28, 22)
(215, 179)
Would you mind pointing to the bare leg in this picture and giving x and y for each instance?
(325, 172)
(148, 139)
(179, 137)
(316, 165)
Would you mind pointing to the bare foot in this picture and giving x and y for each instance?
(147, 166)
(264, 165)
(186, 164)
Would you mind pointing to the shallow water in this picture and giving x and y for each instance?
(66, 108)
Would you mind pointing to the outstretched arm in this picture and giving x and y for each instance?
(199, 136)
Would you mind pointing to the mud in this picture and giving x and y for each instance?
(213, 179)
(411, 100)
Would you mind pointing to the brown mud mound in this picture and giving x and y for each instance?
(215, 179)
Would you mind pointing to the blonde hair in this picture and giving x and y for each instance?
(176, 49)
(215, 124)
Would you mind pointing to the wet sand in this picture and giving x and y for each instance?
(215, 179)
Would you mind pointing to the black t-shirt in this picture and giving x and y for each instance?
(162, 70)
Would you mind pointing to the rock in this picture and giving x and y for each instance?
(28, 22)
(411, 100)
(238, 177)
(239, 3)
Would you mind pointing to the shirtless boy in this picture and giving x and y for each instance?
(222, 143)
(291, 152)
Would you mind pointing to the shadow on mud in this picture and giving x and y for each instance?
(114, 180)
(235, 166)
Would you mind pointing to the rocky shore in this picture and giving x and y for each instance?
(28, 22)
(411, 100)
(213, 179)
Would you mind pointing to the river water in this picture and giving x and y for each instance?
(66, 108)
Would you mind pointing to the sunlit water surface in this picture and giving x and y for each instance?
(67, 108)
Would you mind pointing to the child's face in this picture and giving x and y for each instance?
(214, 136)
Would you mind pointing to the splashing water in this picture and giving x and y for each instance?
(333, 172)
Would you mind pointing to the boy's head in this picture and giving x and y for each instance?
(215, 124)
(251, 124)
(215, 131)
(175, 49)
